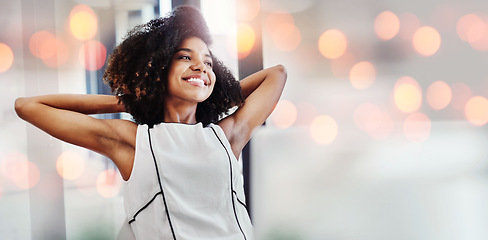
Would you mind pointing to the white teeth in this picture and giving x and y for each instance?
(196, 80)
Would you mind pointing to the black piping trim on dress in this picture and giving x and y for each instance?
(231, 185)
(144, 207)
(160, 185)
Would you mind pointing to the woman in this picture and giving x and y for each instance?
(178, 157)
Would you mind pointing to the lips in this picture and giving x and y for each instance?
(197, 80)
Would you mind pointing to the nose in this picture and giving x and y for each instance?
(198, 65)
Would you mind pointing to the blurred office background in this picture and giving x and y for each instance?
(380, 132)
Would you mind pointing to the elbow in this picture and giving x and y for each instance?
(21, 104)
(280, 69)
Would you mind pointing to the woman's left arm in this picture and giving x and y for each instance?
(261, 91)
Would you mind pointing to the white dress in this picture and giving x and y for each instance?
(185, 184)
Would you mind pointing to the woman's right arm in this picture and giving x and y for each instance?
(64, 116)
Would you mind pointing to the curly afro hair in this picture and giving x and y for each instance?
(138, 67)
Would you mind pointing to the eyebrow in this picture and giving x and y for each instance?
(190, 51)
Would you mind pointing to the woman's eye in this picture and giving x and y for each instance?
(185, 57)
(208, 64)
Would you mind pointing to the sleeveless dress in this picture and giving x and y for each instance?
(185, 184)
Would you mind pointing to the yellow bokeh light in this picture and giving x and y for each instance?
(6, 57)
(332, 44)
(108, 183)
(461, 93)
(426, 41)
(362, 75)
(284, 115)
(417, 127)
(286, 37)
(476, 110)
(70, 165)
(439, 95)
(246, 39)
(386, 25)
(407, 94)
(470, 28)
(324, 129)
(83, 22)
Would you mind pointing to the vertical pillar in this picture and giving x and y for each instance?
(47, 197)
(247, 66)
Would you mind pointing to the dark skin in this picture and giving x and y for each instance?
(66, 116)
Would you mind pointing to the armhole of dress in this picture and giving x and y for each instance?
(232, 191)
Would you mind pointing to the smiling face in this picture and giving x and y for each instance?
(190, 76)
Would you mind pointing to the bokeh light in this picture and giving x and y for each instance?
(70, 165)
(461, 93)
(324, 129)
(18, 169)
(417, 127)
(373, 120)
(41, 44)
(6, 57)
(284, 114)
(426, 41)
(93, 55)
(481, 43)
(246, 39)
(386, 25)
(342, 66)
(438, 95)
(83, 22)
(470, 27)
(409, 23)
(248, 11)
(108, 183)
(407, 94)
(286, 37)
(362, 75)
(332, 44)
(59, 56)
(476, 110)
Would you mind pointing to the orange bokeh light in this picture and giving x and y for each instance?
(470, 28)
(407, 94)
(286, 37)
(41, 44)
(362, 75)
(18, 169)
(93, 55)
(83, 22)
(6, 57)
(417, 127)
(439, 95)
(386, 25)
(476, 110)
(332, 44)
(324, 129)
(246, 38)
(284, 115)
(426, 41)
(108, 183)
(461, 93)
(70, 165)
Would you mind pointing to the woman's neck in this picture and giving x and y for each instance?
(180, 113)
